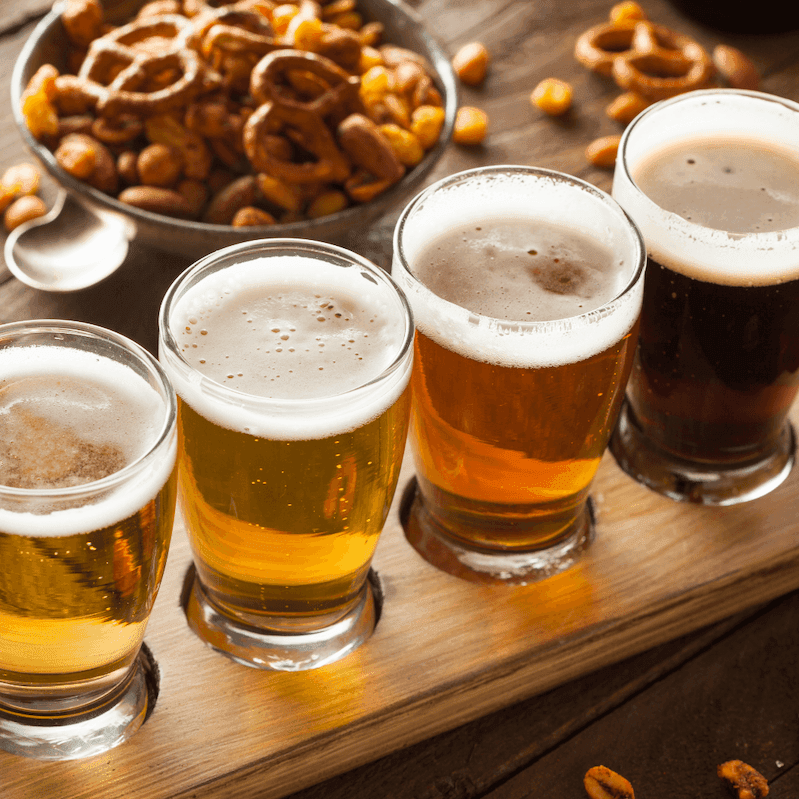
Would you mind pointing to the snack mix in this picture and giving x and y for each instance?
(250, 113)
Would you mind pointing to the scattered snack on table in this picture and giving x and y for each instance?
(171, 109)
(552, 96)
(601, 152)
(22, 210)
(471, 63)
(471, 126)
(18, 200)
(736, 68)
(743, 781)
(649, 62)
(625, 11)
(602, 783)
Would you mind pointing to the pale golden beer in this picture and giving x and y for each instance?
(526, 291)
(291, 361)
(87, 497)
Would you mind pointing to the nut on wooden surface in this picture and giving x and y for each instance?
(602, 783)
(743, 780)
(471, 63)
(735, 67)
(602, 151)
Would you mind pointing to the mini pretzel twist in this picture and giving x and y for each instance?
(119, 64)
(337, 89)
(649, 59)
(312, 133)
(662, 64)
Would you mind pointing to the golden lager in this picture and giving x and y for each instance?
(292, 372)
(87, 497)
(527, 318)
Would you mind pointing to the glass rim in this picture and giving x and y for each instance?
(698, 95)
(165, 433)
(214, 262)
(639, 255)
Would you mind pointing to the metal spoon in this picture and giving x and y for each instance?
(69, 248)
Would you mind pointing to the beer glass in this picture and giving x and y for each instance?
(712, 180)
(526, 289)
(291, 360)
(88, 446)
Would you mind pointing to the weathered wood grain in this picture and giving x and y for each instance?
(447, 652)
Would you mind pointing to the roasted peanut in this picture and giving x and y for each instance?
(224, 204)
(626, 107)
(553, 96)
(471, 126)
(471, 63)
(195, 193)
(602, 783)
(602, 151)
(625, 11)
(156, 200)
(22, 210)
(278, 192)
(736, 68)
(126, 167)
(159, 165)
(249, 216)
(370, 147)
(104, 175)
(22, 178)
(743, 780)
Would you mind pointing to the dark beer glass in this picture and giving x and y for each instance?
(717, 367)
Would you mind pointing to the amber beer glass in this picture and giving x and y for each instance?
(292, 361)
(88, 446)
(712, 180)
(526, 289)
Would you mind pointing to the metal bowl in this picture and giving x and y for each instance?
(403, 27)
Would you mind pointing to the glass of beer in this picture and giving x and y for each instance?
(88, 447)
(712, 180)
(291, 360)
(526, 289)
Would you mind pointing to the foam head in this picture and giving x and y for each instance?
(682, 245)
(554, 207)
(283, 343)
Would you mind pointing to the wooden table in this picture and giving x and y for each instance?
(664, 717)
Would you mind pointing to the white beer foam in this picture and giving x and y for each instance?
(714, 256)
(311, 403)
(133, 426)
(539, 199)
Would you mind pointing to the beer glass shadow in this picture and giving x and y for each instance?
(712, 180)
(291, 360)
(526, 289)
(87, 500)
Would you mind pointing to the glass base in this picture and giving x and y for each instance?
(702, 483)
(262, 648)
(89, 731)
(431, 541)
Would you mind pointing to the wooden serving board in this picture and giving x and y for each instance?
(445, 651)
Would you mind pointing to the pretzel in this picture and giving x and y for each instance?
(661, 66)
(310, 131)
(118, 64)
(649, 59)
(338, 89)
